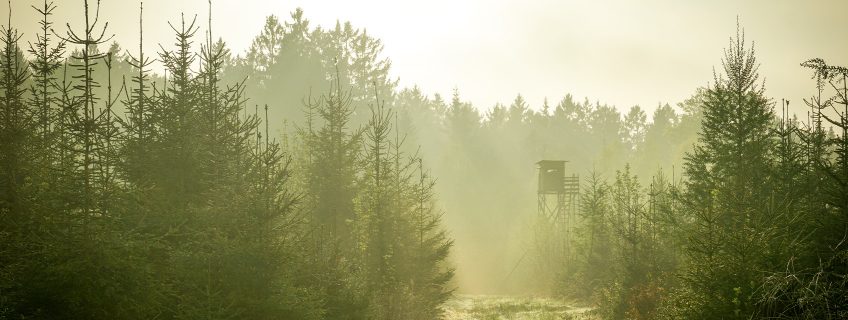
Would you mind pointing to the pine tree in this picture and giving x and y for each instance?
(728, 190)
(331, 165)
(654, 152)
(518, 111)
(18, 165)
(402, 245)
(356, 55)
(17, 124)
(47, 60)
(430, 279)
(85, 122)
(138, 103)
(266, 47)
(379, 218)
(595, 247)
(813, 169)
(634, 126)
(627, 222)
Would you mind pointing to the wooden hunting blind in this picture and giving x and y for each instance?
(551, 176)
(557, 198)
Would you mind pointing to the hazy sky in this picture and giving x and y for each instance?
(620, 52)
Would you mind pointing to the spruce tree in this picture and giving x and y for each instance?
(18, 123)
(431, 276)
(594, 242)
(47, 59)
(379, 219)
(814, 170)
(331, 164)
(728, 190)
(18, 164)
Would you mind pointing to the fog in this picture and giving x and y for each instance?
(623, 53)
(380, 159)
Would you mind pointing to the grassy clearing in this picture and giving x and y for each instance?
(488, 307)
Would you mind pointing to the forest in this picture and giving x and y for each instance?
(299, 180)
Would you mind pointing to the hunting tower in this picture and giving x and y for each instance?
(558, 194)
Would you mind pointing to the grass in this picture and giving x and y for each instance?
(488, 307)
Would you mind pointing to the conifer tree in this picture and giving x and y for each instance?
(18, 162)
(634, 126)
(18, 122)
(403, 247)
(138, 105)
(379, 218)
(595, 247)
(814, 170)
(330, 170)
(84, 124)
(47, 60)
(727, 190)
(431, 277)
(266, 47)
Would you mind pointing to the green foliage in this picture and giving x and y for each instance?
(330, 161)
(290, 60)
(728, 194)
(186, 207)
(627, 251)
(384, 252)
(811, 284)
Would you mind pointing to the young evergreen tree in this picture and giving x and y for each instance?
(402, 246)
(594, 242)
(811, 286)
(728, 191)
(379, 219)
(47, 59)
(18, 164)
(18, 123)
(331, 165)
(85, 123)
(430, 276)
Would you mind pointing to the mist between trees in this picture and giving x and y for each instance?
(297, 181)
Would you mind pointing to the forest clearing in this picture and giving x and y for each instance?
(226, 159)
(485, 307)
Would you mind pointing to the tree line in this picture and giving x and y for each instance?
(125, 194)
(754, 227)
(289, 182)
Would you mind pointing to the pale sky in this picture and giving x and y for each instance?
(620, 52)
